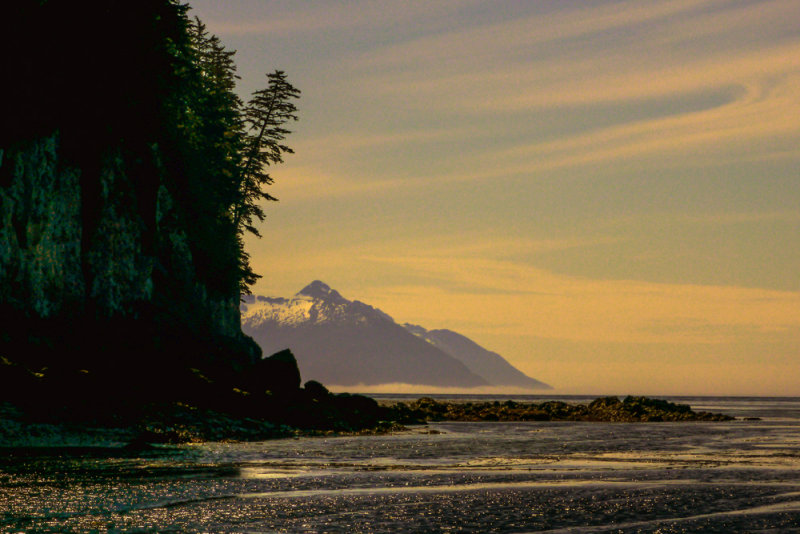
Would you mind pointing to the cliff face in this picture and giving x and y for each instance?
(99, 191)
(40, 237)
(135, 278)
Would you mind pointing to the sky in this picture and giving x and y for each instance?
(607, 193)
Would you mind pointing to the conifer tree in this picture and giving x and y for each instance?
(212, 137)
(265, 118)
(222, 126)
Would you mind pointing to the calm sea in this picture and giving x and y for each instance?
(739, 476)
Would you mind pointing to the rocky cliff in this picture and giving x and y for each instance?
(66, 285)
(128, 178)
(102, 272)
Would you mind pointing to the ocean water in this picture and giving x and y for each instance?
(739, 476)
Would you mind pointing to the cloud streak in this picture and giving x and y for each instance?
(725, 90)
(515, 298)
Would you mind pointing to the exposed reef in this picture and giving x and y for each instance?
(607, 409)
(310, 410)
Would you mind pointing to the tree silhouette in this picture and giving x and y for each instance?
(265, 117)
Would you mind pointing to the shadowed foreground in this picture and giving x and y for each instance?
(238, 415)
(501, 477)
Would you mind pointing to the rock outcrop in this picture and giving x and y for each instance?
(604, 409)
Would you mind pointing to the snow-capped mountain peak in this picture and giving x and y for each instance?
(316, 303)
(348, 342)
(415, 329)
(345, 342)
(321, 290)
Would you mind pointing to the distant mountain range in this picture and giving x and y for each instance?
(489, 365)
(349, 343)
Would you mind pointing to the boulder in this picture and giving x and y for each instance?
(278, 374)
(316, 391)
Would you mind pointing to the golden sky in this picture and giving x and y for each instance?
(607, 193)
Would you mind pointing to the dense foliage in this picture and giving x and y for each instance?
(228, 146)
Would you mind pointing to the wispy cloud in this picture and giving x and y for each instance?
(300, 183)
(744, 218)
(689, 81)
(301, 20)
(525, 300)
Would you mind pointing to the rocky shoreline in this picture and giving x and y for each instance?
(322, 413)
(163, 424)
(604, 409)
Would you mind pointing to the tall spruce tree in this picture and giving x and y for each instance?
(265, 118)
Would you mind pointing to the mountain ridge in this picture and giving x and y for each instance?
(350, 343)
(488, 364)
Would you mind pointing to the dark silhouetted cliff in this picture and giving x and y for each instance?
(120, 266)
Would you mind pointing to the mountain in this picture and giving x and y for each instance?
(349, 343)
(343, 342)
(490, 365)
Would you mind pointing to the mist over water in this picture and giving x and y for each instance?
(739, 476)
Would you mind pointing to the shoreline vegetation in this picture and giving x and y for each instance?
(175, 423)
